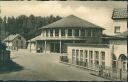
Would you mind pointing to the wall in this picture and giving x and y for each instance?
(121, 23)
(120, 47)
(107, 53)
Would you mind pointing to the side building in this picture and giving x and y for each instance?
(15, 42)
(70, 29)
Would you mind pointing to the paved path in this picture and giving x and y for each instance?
(45, 67)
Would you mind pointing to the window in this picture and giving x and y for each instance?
(81, 55)
(69, 32)
(46, 32)
(91, 54)
(103, 64)
(51, 32)
(56, 32)
(76, 32)
(95, 32)
(62, 32)
(117, 29)
(73, 56)
(88, 31)
(77, 57)
(82, 32)
(96, 55)
(86, 53)
(103, 55)
(73, 52)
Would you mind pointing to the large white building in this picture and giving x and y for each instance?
(70, 29)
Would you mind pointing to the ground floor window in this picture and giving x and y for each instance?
(77, 57)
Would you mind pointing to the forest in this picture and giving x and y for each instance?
(27, 26)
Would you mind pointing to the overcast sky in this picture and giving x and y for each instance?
(97, 12)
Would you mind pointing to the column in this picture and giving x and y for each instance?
(53, 32)
(59, 32)
(66, 32)
(45, 46)
(45, 32)
(48, 33)
(73, 32)
(91, 32)
(60, 46)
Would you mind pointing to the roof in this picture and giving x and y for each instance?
(121, 36)
(71, 21)
(34, 39)
(88, 45)
(124, 34)
(120, 13)
(11, 37)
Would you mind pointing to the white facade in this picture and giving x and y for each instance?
(17, 43)
(119, 23)
(106, 61)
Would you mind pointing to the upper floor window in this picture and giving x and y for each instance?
(76, 32)
(117, 29)
(47, 32)
(69, 32)
(82, 32)
(51, 32)
(62, 32)
(95, 32)
(56, 32)
(88, 32)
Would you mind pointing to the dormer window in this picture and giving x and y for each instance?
(117, 29)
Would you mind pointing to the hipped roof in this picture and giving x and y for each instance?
(71, 21)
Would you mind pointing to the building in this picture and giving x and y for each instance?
(15, 42)
(70, 29)
(119, 16)
(89, 56)
(112, 56)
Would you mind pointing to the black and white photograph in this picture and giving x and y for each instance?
(63, 40)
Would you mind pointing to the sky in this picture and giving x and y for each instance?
(97, 12)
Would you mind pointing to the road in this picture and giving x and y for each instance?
(45, 67)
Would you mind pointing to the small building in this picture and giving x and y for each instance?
(15, 42)
(70, 29)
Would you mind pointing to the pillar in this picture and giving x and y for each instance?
(60, 46)
(53, 32)
(66, 32)
(59, 32)
(73, 32)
